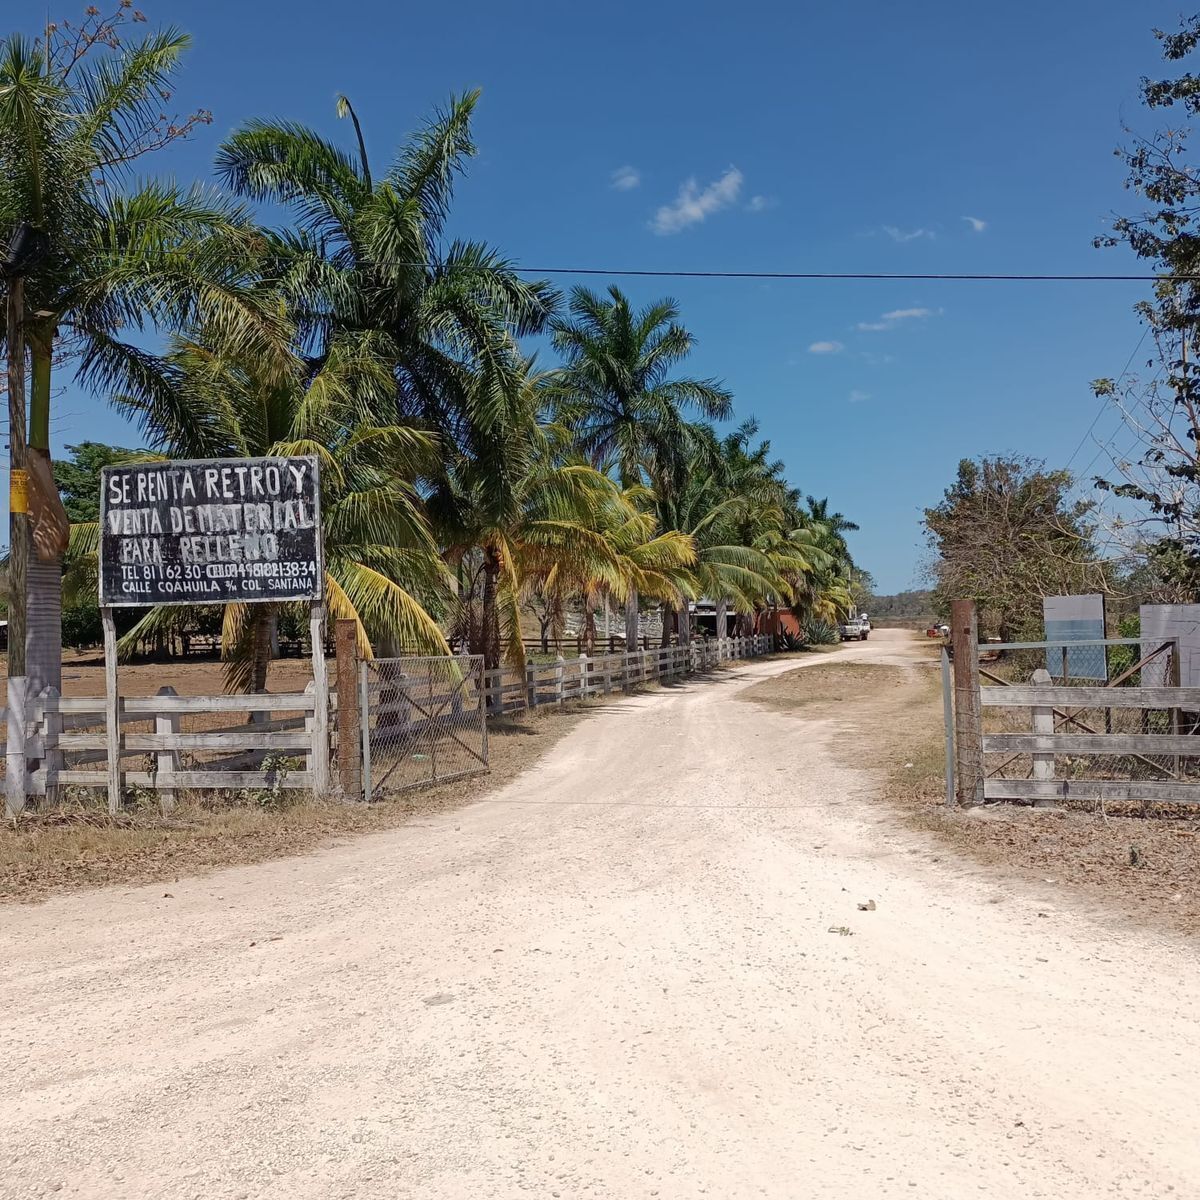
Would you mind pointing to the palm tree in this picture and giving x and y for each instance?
(833, 526)
(656, 564)
(367, 256)
(619, 394)
(156, 255)
(516, 512)
(382, 564)
(728, 566)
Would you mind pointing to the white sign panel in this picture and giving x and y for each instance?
(1161, 622)
(1076, 619)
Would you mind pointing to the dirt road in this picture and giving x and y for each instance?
(613, 978)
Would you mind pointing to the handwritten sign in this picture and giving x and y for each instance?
(210, 532)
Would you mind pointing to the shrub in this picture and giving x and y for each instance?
(821, 633)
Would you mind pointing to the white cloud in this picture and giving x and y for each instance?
(908, 235)
(626, 178)
(759, 204)
(978, 224)
(694, 204)
(857, 397)
(890, 320)
(907, 314)
(826, 348)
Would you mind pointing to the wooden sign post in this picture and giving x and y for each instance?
(215, 531)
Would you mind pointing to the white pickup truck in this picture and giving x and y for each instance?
(854, 629)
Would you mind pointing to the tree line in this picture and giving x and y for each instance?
(462, 480)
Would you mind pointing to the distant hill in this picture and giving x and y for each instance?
(903, 606)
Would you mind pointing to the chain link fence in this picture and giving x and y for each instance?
(423, 721)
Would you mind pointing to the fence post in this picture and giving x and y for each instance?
(608, 672)
(948, 723)
(1043, 723)
(319, 778)
(364, 709)
(349, 729)
(560, 670)
(166, 762)
(964, 632)
(583, 676)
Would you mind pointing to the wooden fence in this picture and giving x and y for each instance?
(1074, 742)
(277, 741)
(581, 678)
(69, 742)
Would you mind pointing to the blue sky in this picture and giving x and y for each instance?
(931, 137)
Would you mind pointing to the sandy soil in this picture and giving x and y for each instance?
(621, 975)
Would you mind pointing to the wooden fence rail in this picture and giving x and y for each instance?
(582, 678)
(69, 742)
(249, 755)
(1166, 754)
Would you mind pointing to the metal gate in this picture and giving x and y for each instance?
(423, 721)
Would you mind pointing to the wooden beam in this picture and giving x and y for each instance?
(1021, 696)
(1101, 743)
(1092, 789)
(112, 711)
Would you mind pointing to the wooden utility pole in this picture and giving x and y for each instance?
(968, 725)
(18, 543)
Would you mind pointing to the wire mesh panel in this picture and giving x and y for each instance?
(423, 721)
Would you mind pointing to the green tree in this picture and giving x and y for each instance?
(1006, 534)
(1162, 475)
(516, 514)
(620, 394)
(76, 109)
(367, 256)
(78, 477)
(382, 566)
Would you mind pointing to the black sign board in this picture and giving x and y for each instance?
(210, 532)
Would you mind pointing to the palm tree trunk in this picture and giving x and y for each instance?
(684, 617)
(722, 619)
(264, 635)
(589, 625)
(631, 620)
(43, 580)
(490, 617)
(667, 613)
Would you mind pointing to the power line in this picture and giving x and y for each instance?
(1104, 403)
(884, 276)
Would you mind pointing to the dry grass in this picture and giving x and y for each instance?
(77, 845)
(897, 711)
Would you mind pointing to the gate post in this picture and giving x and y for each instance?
(349, 728)
(964, 633)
